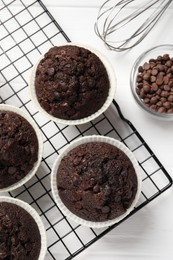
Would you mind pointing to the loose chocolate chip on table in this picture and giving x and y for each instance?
(154, 84)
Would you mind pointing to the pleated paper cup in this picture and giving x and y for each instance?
(112, 80)
(32, 212)
(88, 139)
(33, 171)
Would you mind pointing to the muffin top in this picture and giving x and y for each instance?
(18, 148)
(71, 82)
(96, 181)
(19, 237)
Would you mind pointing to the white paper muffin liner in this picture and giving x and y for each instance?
(113, 84)
(37, 219)
(87, 139)
(32, 172)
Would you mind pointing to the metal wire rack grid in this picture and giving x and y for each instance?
(25, 34)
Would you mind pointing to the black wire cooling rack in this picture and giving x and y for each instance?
(26, 33)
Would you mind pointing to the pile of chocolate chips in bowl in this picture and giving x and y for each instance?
(155, 84)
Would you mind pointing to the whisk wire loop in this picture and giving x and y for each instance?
(114, 20)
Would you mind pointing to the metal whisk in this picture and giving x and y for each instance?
(124, 24)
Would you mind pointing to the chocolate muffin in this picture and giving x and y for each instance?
(19, 234)
(18, 148)
(96, 181)
(71, 82)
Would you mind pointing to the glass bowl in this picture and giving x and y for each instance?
(162, 82)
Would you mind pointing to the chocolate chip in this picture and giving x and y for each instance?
(14, 240)
(107, 190)
(163, 99)
(57, 95)
(166, 87)
(140, 69)
(153, 100)
(159, 81)
(153, 79)
(11, 170)
(105, 209)
(159, 104)
(162, 110)
(159, 58)
(75, 181)
(146, 88)
(50, 71)
(92, 181)
(167, 104)
(96, 189)
(160, 67)
(152, 107)
(117, 198)
(146, 76)
(166, 57)
(164, 93)
(76, 161)
(154, 72)
(146, 100)
(170, 84)
(166, 80)
(170, 98)
(154, 87)
(170, 110)
(91, 83)
(128, 194)
(123, 173)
